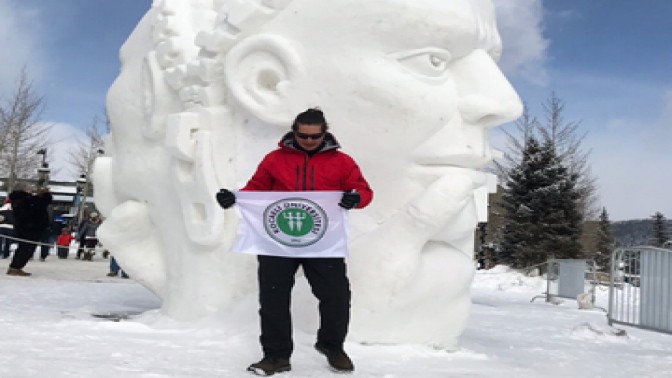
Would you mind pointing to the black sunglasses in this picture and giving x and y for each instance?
(309, 136)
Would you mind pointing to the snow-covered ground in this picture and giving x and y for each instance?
(47, 329)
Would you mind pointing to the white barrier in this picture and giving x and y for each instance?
(640, 294)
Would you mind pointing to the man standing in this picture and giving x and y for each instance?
(307, 160)
(31, 219)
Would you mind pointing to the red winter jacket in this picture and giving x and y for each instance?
(289, 169)
(64, 240)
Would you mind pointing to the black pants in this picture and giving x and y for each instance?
(85, 245)
(330, 285)
(25, 250)
(47, 242)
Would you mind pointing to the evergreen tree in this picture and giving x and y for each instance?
(660, 235)
(567, 140)
(568, 147)
(604, 243)
(541, 206)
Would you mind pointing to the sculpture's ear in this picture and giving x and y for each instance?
(259, 74)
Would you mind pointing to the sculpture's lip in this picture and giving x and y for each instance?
(436, 171)
(466, 161)
(455, 145)
(446, 166)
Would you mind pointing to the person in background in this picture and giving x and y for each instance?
(115, 269)
(77, 229)
(31, 219)
(6, 228)
(63, 243)
(87, 237)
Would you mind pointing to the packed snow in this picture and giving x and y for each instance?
(57, 324)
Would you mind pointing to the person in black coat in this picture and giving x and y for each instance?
(31, 219)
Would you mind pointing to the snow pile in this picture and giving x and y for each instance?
(599, 333)
(503, 278)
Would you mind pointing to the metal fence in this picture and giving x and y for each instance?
(640, 293)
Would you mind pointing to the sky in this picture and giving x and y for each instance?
(607, 60)
(52, 326)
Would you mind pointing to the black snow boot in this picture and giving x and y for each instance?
(337, 358)
(270, 365)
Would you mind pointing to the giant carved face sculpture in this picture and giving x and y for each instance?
(207, 88)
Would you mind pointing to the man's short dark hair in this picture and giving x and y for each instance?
(312, 116)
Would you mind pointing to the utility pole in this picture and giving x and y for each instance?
(43, 171)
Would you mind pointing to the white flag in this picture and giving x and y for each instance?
(291, 224)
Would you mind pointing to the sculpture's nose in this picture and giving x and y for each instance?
(487, 98)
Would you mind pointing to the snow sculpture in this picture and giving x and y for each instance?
(207, 87)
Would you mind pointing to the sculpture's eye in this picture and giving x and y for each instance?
(429, 62)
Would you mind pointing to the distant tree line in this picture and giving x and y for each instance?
(637, 232)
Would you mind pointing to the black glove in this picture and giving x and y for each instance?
(226, 198)
(350, 200)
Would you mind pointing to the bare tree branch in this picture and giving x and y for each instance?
(84, 155)
(22, 134)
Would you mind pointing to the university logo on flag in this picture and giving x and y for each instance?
(291, 224)
(295, 222)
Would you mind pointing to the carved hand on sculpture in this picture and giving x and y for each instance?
(130, 234)
(128, 231)
(399, 243)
